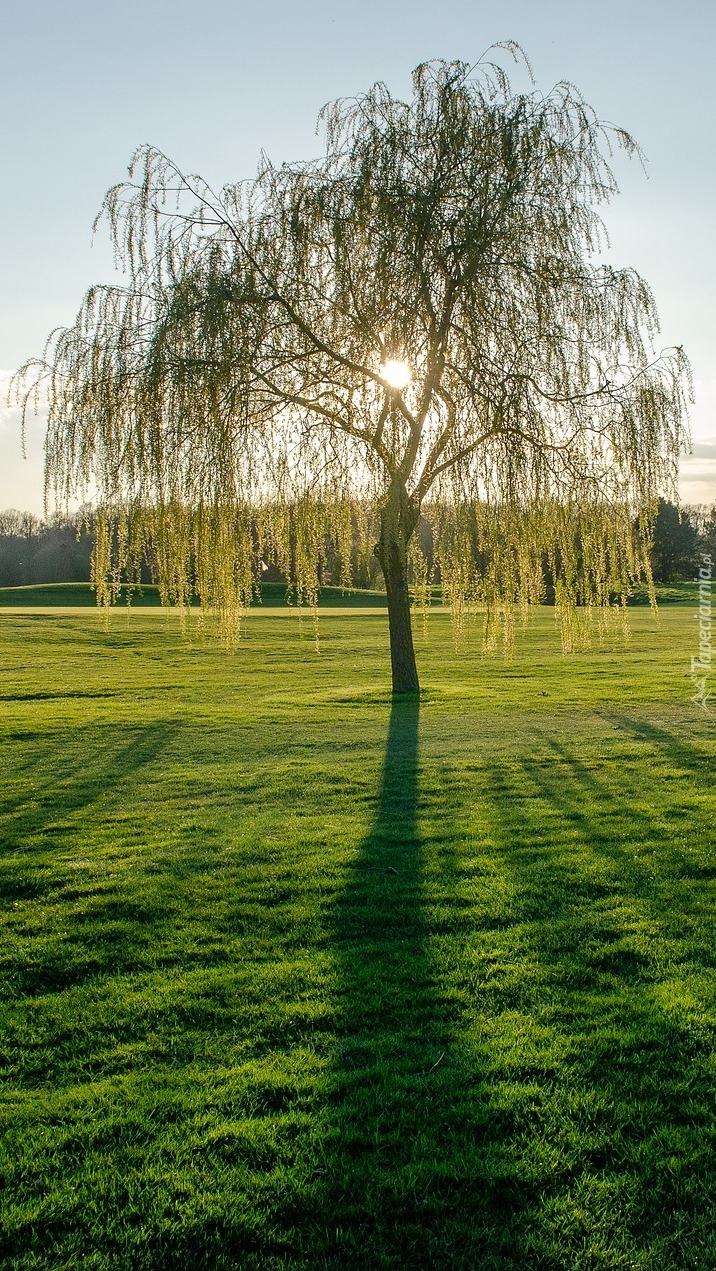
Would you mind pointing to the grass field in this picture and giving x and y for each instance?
(294, 978)
(81, 595)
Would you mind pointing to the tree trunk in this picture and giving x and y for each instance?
(398, 519)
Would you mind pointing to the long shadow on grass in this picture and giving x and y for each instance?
(90, 926)
(620, 1131)
(387, 1192)
(69, 771)
(673, 748)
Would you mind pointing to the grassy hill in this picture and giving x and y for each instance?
(272, 594)
(81, 594)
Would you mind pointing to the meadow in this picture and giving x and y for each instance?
(296, 977)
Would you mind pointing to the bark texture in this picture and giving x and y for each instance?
(398, 520)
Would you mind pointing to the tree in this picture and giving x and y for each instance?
(36, 551)
(673, 553)
(706, 524)
(415, 321)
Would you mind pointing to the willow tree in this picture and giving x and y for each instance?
(416, 322)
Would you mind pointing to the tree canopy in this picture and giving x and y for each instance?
(674, 543)
(417, 322)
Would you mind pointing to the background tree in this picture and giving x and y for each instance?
(674, 542)
(53, 551)
(416, 320)
(706, 521)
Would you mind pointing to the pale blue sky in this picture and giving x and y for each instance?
(212, 84)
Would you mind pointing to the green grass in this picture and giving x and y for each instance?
(296, 979)
(81, 595)
(669, 593)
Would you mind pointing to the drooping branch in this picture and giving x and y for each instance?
(243, 362)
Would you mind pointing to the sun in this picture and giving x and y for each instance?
(396, 373)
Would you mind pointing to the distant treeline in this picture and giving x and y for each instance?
(58, 550)
(33, 550)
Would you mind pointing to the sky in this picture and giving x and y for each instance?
(213, 85)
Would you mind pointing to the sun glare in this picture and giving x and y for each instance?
(396, 373)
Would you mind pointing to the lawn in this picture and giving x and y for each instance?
(294, 978)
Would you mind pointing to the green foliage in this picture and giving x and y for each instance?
(239, 377)
(292, 980)
(707, 532)
(42, 551)
(674, 545)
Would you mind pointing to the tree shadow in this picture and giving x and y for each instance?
(669, 746)
(64, 774)
(97, 917)
(387, 1170)
(513, 1106)
(623, 989)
